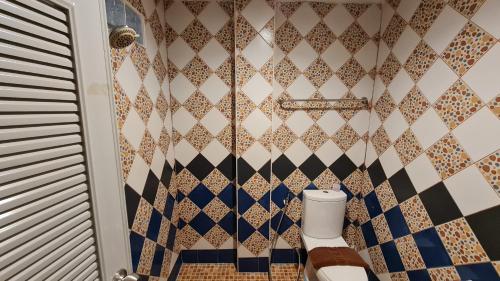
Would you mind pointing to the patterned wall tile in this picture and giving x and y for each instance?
(254, 73)
(143, 116)
(201, 53)
(316, 57)
(437, 107)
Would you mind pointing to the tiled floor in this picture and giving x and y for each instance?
(227, 272)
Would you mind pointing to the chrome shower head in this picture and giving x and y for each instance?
(122, 37)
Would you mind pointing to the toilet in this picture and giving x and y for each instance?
(322, 220)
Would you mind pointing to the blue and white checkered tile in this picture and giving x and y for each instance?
(151, 229)
(206, 201)
(313, 173)
(415, 234)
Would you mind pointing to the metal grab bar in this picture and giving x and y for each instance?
(324, 104)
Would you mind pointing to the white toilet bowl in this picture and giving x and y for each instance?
(322, 219)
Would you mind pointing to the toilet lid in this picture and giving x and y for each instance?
(342, 273)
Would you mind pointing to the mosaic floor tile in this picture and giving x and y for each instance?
(448, 156)
(467, 48)
(490, 169)
(461, 243)
(227, 272)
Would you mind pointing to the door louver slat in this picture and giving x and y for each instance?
(33, 42)
(24, 26)
(84, 249)
(43, 8)
(46, 220)
(39, 18)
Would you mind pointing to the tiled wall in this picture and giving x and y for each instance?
(323, 51)
(432, 206)
(254, 29)
(200, 45)
(142, 102)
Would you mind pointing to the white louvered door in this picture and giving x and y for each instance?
(61, 210)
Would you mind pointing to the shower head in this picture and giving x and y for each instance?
(122, 37)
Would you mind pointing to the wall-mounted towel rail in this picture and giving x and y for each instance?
(324, 104)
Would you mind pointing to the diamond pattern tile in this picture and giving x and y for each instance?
(430, 110)
(432, 144)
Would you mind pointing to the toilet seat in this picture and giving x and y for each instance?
(332, 273)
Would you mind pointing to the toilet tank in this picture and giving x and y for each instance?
(323, 213)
